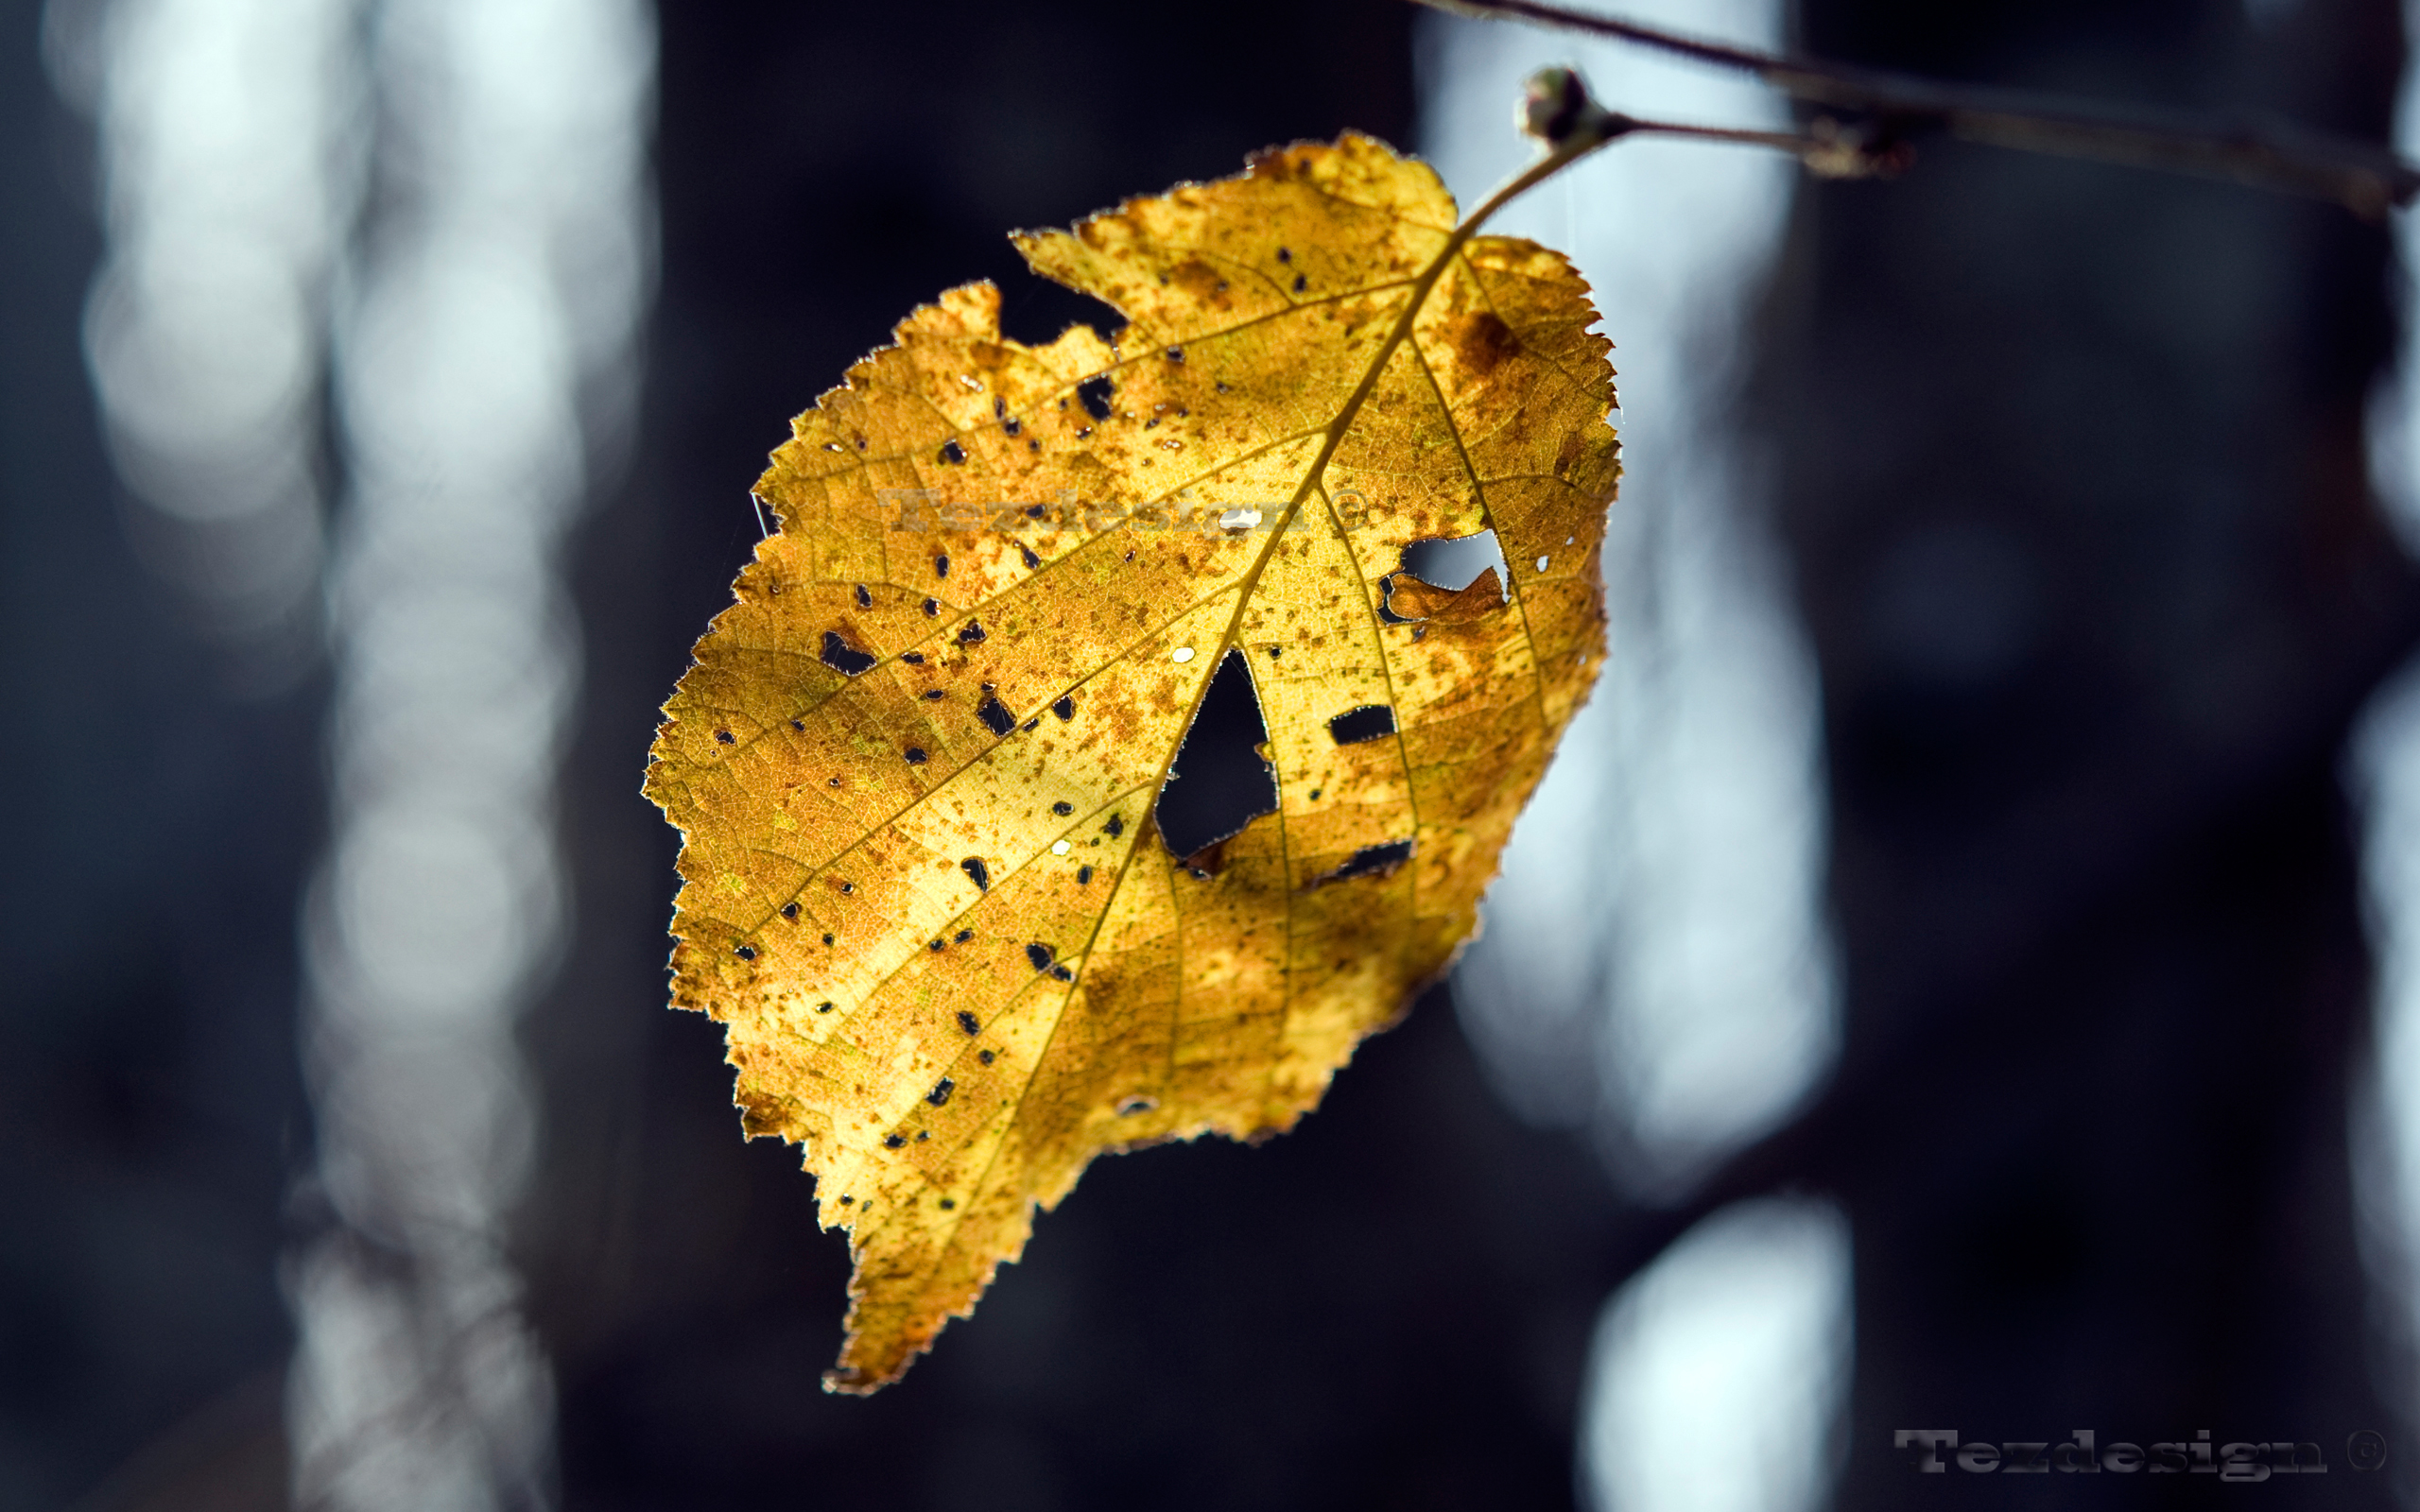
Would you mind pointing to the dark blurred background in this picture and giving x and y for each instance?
(2072, 478)
(2074, 483)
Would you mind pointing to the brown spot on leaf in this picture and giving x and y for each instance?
(1483, 342)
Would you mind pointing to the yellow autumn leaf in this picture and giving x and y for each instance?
(916, 764)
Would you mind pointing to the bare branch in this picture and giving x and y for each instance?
(2266, 154)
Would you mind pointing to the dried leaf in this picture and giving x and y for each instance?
(1412, 599)
(916, 764)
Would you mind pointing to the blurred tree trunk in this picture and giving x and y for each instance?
(2071, 461)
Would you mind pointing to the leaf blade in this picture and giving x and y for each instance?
(873, 858)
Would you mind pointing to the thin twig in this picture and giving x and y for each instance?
(2364, 178)
(1826, 153)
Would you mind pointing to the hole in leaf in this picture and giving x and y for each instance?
(1454, 562)
(843, 658)
(974, 867)
(1096, 392)
(1370, 861)
(1035, 310)
(1372, 721)
(996, 716)
(1220, 782)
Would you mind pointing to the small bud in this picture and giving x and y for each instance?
(1555, 108)
(1837, 149)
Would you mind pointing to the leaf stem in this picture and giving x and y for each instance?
(1565, 154)
(2266, 154)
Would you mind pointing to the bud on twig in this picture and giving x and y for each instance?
(1556, 111)
(1555, 108)
(1880, 110)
